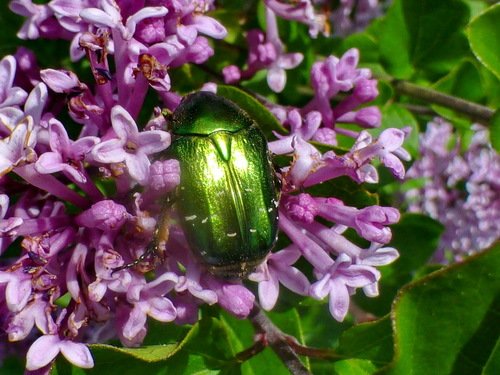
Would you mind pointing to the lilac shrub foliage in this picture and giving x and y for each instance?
(63, 233)
(461, 189)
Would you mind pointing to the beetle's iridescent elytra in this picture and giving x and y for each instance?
(227, 200)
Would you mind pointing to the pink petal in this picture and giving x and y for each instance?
(109, 151)
(17, 293)
(100, 18)
(147, 12)
(77, 353)
(294, 280)
(7, 71)
(320, 288)
(49, 162)
(36, 102)
(391, 139)
(211, 27)
(162, 309)
(276, 79)
(268, 293)
(153, 141)
(15, 96)
(59, 80)
(394, 164)
(381, 257)
(290, 60)
(138, 167)
(123, 124)
(135, 323)
(42, 352)
(339, 300)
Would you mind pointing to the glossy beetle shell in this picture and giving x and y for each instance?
(228, 195)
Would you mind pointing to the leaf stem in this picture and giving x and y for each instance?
(255, 349)
(277, 340)
(475, 111)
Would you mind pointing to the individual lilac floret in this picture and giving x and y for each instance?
(334, 75)
(40, 20)
(265, 52)
(461, 189)
(301, 11)
(105, 215)
(149, 299)
(276, 269)
(344, 17)
(131, 146)
(17, 148)
(66, 155)
(351, 16)
(47, 347)
(9, 94)
(109, 16)
(234, 298)
(339, 280)
(164, 175)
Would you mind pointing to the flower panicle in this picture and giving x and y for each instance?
(78, 236)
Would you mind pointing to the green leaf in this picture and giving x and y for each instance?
(241, 334)
(447, 322)
(416, 237)
(353, 367)
(112, 360)
(491, 86)
(12, 365)
(369, 341)
(157, 359)
(209, 339)
(394, 42)
(463, 81)
(254, 108)
(365, 43)
(433, 28)
(495, 130)
(152, 353)
(320, 329)
(492, 366)
(484, 38)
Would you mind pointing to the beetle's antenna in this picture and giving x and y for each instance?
(155, 250)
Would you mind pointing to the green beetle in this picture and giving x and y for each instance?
(228, 196)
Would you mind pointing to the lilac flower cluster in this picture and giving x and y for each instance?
(266, 51)
(72, 233)
(461, 189)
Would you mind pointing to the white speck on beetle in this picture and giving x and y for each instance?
(204, 220)
(231, 234)
(188, 218)
(253, 230)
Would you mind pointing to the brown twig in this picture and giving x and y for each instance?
(277, 340)
(475, 111)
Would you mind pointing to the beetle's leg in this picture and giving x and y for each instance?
(156, 248)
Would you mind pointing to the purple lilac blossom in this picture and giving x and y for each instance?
(74, 235)
(265, 52)
(341, 18)
(461, 189)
